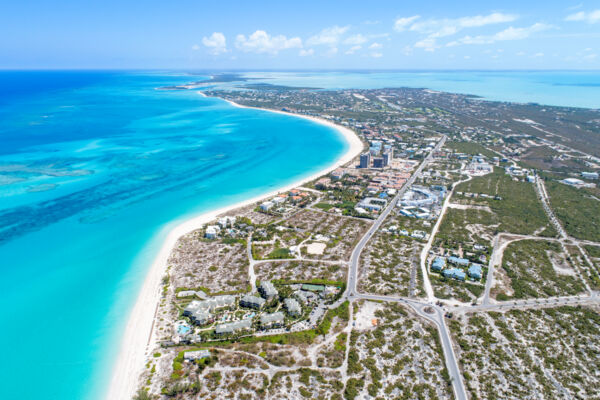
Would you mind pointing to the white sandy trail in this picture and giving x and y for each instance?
(139, 337)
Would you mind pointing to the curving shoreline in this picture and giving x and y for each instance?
(139, 336)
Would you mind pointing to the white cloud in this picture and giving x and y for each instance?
(376, 54)
(439, 28)
(578, 16)
(509, 33)
(402, 23)
(375, 45)
(305, 53)
(216, 43)
(328, 36)
(590, 17)
(521, 53)
(538, 55)
(427, 44)
(353, 49)
(261, 42)
(590, 56)
(355, 39)
(445, 27)
(332, 51)
(195, 47)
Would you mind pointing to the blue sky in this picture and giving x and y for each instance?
(300, 35)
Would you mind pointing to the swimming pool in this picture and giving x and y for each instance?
(183, 329)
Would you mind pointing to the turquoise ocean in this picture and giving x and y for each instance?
(96, 167)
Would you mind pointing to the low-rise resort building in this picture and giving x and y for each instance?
(250, 301)
(292, 307)
(267, 290)
(273, 320)
(232, 327)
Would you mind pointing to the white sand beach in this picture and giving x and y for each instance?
(139, 337)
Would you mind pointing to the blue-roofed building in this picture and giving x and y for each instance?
(438, 264)
(448, 273)
(406, 213)
(475, 271)
(454, 273)
(458, 261)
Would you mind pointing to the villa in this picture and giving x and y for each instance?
(212, 303)
(454, 273)
(201, 317)
(463, 262)
(272, 320)
(266, 206)
(267, 290)
(475, 271)
(233, 327)
(212, 231)
(252, 302)
(292, 306)
(438, 264)
(196, 355)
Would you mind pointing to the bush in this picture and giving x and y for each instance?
(142, 394)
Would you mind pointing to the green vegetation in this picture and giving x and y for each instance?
(593, 251)
(515, 204)
(471, 148)
(279, 254)
(578, 213)
(325, 206)
(293, 338)
(341, 312)
(233, 241)
(352, 388)
(447, 288)
(142, 394)
(529, 265)
(453, 230)
(414, 361)
(500, 346)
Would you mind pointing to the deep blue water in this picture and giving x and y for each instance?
(95, 169)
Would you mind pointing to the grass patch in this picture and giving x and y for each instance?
(578, 213)
(528, 265)
(471, 148)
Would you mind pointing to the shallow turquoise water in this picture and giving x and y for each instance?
(97, 167)
(559, 88)
(93, 175)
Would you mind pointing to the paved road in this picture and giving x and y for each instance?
(494, 260)
(354, 259)
(427, 247)
(435, 315)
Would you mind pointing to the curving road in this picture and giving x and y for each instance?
(437, 312)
